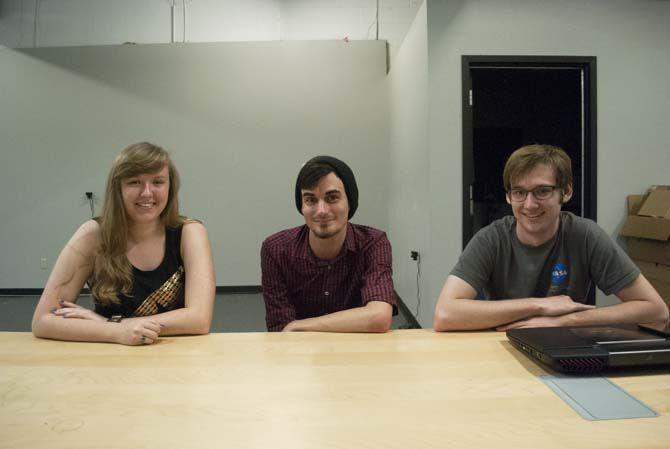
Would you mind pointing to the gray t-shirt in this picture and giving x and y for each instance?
(499, 266)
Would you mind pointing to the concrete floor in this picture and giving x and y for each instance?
(243, 312)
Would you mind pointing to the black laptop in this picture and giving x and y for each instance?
(593, 349)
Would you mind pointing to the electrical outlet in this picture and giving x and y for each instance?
(43, 263)
(414, 255)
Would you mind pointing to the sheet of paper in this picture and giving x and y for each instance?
(596, 397)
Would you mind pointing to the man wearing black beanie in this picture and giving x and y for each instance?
(327, 275)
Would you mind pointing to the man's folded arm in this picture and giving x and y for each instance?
(458, 310)
(279, 311)
(375, 316)
(640, 303)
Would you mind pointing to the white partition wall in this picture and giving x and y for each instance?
(409, 196)
(238, 118)
(631, 41)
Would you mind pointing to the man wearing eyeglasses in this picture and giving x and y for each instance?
(535, 269)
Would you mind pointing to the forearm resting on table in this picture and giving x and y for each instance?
(641, 305)
(73, 329)
(454, 314)
(184, 321)
(191, 321)
(375, 317)
(629, 312)
(458, 310)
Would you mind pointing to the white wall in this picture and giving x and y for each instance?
(48, 23)
(631, 40)
(239, 119)
(408, 191)
(82, 105)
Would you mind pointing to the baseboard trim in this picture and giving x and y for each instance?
(31, 291)
(20, 291)
(224, 289)
(239, 289)
(412, 323)
(219, 289)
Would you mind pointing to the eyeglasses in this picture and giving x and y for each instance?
(539, 193)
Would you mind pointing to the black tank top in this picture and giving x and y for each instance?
(154, 291)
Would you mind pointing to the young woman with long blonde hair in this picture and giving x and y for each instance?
(150, 270)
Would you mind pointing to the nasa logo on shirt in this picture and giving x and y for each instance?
(559, 274)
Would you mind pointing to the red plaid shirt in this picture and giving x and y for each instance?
(298, 285)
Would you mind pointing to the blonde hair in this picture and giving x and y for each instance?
(526, 158)
(112, 273)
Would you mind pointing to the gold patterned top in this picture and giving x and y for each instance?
(154, 291)
(166, 297)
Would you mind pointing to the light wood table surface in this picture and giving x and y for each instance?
(406, 389)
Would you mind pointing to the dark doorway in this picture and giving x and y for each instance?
(512, 101)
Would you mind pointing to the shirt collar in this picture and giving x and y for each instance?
(349, 240)
(305, 252)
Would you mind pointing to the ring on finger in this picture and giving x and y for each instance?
(144, 339)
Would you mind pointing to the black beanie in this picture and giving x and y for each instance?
(342, 171)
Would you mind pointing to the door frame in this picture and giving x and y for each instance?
(588, 65)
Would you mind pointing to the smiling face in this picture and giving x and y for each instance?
(325, 207)
(537, 220)
(146, 195)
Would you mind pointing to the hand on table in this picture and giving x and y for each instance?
(560, 305)
(131, 331)
(536, 321)
(293, 326)
(69, 309)
(138, 331)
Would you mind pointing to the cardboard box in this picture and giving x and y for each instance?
(657, 204)
(647, 226)
(654, 270)
(648, 250)
(658, 275)
(634, 202)
(663, 289)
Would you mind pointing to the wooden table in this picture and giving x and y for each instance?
(407, 389)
